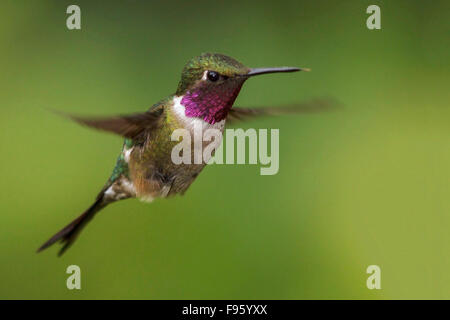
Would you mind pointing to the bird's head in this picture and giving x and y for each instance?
(211, 82)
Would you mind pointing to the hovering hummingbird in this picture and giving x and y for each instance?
(206, 92)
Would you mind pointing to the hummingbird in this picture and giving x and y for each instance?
(205, 95)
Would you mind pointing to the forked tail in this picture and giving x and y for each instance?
(70, 232)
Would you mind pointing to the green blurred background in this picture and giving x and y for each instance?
(368, 184)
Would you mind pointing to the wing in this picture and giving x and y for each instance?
(313, 106)
(129, 126)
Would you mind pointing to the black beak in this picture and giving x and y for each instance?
(258, 71)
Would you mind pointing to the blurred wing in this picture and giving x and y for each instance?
(128, 126)
(314, 106)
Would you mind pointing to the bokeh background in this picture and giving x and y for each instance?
(368, 184)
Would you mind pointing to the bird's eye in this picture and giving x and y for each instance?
(213, 76)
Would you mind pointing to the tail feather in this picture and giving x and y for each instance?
(69, 233)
